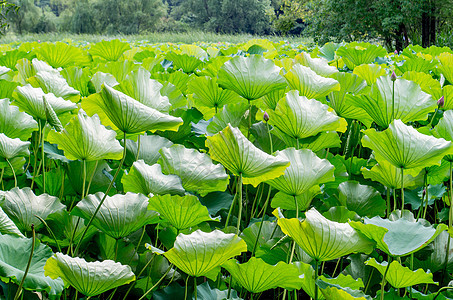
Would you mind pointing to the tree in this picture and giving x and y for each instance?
(6, 8)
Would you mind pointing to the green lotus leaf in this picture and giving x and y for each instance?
(325, 240)
(89, 278)
(232, 113)
(99, 171)
(109, 50)
(300, 117)
(308, 275)
(205, 292)
(146, 179)
(195, 51)
(338, 292)
(369, 72)
(323, 140)
(120, 111)
(30, 100)
(4, 70)
(328, 51)
(355, 54)
(85, 138)
(7, 88)
(201, 253)
(18, 166)
(405, 147)
(446, 64)
(437, 259)
(149, 149)
(399, 276)
(444, 129)
(9, 58)
(416, 64)
(211, 68)
(15, 124)
(448, 96)
(7, 226)
(363, 199)
(209, 97)
(273, 97)
(233, 150)
(26, 69)
(269, 232)
(119, 69)
(287, 201)
(390, 176)
(78, 78)
(196, 170)
(53, 82)
(181, 212)
(426, 82)
(400, 237)
(139, 86)
(305, 171)
(14, 256)
(51, 116)
(319, 65)
(310, 84)
(411, 103)
(10, 148)
(119, 215)
(101, 78)
(256, 276)
(21, 206)
(187, 63)
(60, 54)
(251, 77)
(350, 85)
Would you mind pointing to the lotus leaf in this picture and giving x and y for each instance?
(286, 201)
(300, 117)
(251, 77)
(85, 138)
(146, 179)
(149, 149)
(405, 147)
(329, 139)
(444, 129)
(89, 278)
(78, 78)
(399, 276)
(60, 54)
(426, 82)
(201, 253)
(325, 240)
(181, 212)
(363, 199)
(7, 226)
(446, 64)
(256, 276)
(231, 114)
(109, 50)
(196, 170)
(14, 256)
(416, 64)
(310, 84)
(101, 78)
(355, 54)
(337, 292)
(10, 148)
(319, 65)
(119, 215)
(128, 115)
(390, 176)
(369, 72)
(233, 150)
(188, 64)
(52, 82)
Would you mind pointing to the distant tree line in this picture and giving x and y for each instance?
(396, 22)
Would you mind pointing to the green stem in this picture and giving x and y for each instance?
(36, 170)
(50, 232)
(138, 244)
(116, 250)
(316, 278)
(294, 242)
(138, 276)
(43, 161)
(393, 103)
(424, 206)
(186, 289)
(394, 198)
(434, 115)
(402, 191)
(230, 211)
(19, 290)
(103, 198)
(229, 286)
(442, 289)
(84, 179)
(1, 177)
(388, 201)
(195, 287)
(138, 148)
(297, 143)
(384, 281)
(92, 176)
(157, 283)
(262, 221)
(250, 119)
(239, 191)
(12, 169)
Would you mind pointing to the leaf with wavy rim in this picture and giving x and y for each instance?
(127, 114)
(30, 100)
(286, 201)
(232, 113)
(201, 253)
(7, 226)
(444, 129)
(148, 179)
(411, 103)
(310, 84)
(85, 138)
(416, 64)
(256, 276)
(323, 140)
(251, 77)
(426, 82)
(10, 148)
(181, 212)
(89, 278)
(355, 54)
(61, 54)
(300, 117)
(399, 276)
(390, 176)
(305, 171)
(188, 64)
(101, 78)
(149, 149)
(14, 255)
(319, 65)
(338, 292)
(370, 72)
(119, 215)
(14, 123)
(78, 78)
(446, 65)
(21, 206)
(234, 151)
(196, 170)
(109, 50)
(363, 199)
(405, 147)
(323, 239)
(53, 82)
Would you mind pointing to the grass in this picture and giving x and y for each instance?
(158, 37)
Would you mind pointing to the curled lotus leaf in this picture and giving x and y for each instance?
(365, 200)
(355, 54)
(149, 149)
(369, 72)
(53, 82)
(119, 215)
(323, 239)
(444, 129)
(85, 138)
(14, 123)
(390, 176)
(122, 112)
(234, 151)
(319, 65)
(7, 226)
(300, 117)
(10, 148)
(89, 278)
(146, 179)
(404, 147)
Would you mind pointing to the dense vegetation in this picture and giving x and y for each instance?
(395, 23)
(214, 171)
